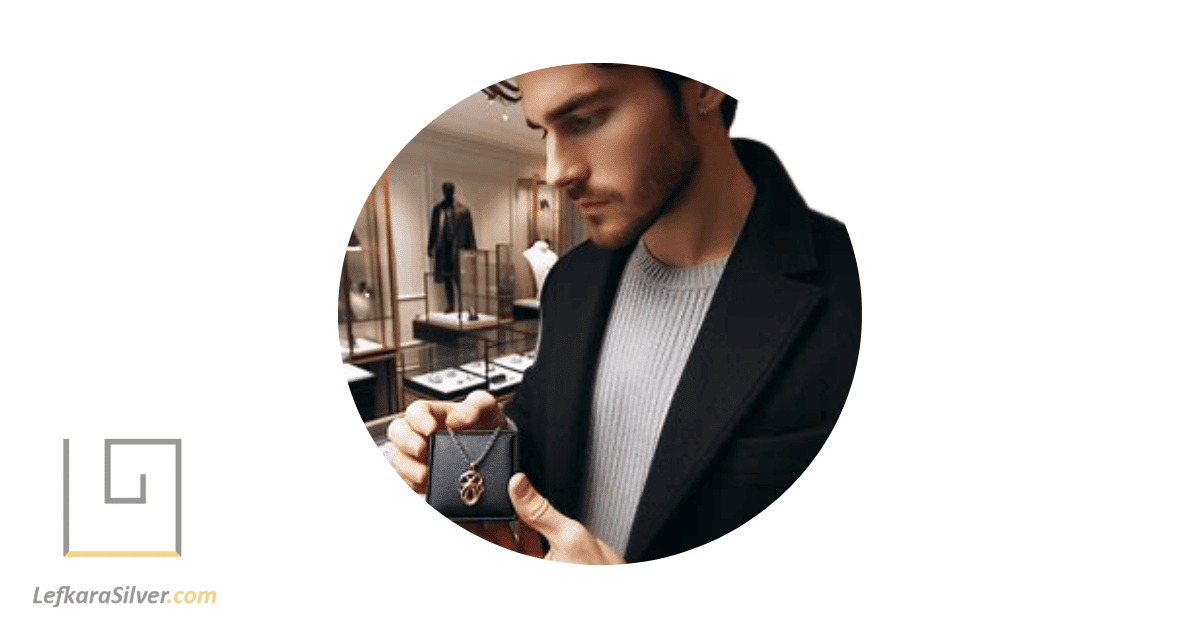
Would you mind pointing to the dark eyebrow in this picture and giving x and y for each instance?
(571, 104)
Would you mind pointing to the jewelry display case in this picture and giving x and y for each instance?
(483, 296)
(431, 369)
(492, 359)
(509, 351)
(506, 282)
(366, 324)
(364, 307)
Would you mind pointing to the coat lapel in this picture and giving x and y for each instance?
(757, 310)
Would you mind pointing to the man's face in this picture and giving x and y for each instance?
(614, 141)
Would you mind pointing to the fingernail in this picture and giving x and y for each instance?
(520, 487)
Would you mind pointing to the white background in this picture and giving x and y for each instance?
(1019, 182)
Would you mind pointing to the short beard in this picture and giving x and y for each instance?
(675, 161)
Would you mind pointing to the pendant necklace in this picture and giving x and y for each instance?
(470, 483)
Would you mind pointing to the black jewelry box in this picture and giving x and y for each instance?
(448, 473)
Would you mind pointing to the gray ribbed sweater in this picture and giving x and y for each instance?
(654, 322)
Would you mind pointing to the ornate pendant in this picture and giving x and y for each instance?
(470, 486)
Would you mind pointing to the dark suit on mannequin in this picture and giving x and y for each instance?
(765, 382)
(450, 231)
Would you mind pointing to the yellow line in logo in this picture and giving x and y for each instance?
(122, 555)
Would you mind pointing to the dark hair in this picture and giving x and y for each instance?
(508, 92)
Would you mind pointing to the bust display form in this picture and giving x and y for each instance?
(540, 259)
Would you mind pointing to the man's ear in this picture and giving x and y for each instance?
(706, 99)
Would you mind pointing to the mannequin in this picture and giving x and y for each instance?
(540, 259)
(450, 231)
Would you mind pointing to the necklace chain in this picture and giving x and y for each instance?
(463, 452)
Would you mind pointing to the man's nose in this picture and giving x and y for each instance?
(565, 169)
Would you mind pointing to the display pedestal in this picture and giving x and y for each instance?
(384, 397)
(362, 389)
(460, 320)
(526, 309)
(439, 327)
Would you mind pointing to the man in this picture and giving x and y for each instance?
(694, 354)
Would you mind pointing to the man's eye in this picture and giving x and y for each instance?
(586, 123)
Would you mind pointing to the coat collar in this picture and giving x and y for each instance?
(778, 230)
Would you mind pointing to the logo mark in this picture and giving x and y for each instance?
(142, 498)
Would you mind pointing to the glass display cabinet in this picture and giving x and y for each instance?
(483, 296)
(364, 307)
(431, 369)
(492, 359)
(508, 352)
(366, 325)
(506, 282)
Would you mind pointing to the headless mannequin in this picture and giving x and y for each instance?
(450, 230)
(540, 259)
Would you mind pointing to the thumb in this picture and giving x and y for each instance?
(479, 411)
(534, 509)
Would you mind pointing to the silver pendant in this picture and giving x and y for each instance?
(470, 486)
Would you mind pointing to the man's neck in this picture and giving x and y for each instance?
(707, 218)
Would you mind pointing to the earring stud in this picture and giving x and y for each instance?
(703, 109)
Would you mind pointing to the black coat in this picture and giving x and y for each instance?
(765, 382)
(450, 230)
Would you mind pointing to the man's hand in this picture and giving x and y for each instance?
(410, 439)
(410, 434)
(570, 542)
